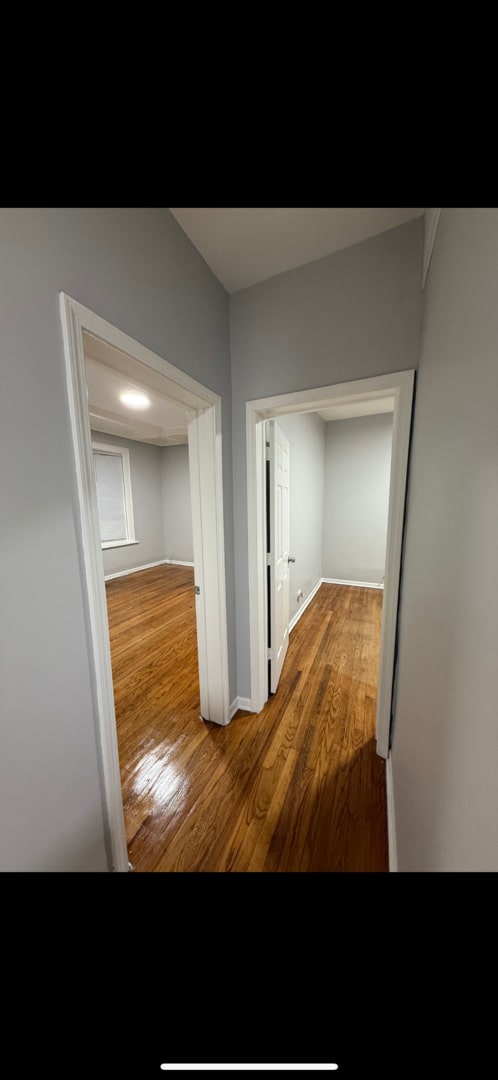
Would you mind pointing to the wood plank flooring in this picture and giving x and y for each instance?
(298, 788)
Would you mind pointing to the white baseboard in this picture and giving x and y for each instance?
(391, 824)
(342, 581)
(303, 607)
(243, 703)
(147, 566)
(134, 570)
(178, 562)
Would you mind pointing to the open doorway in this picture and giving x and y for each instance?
(346, 399)
(327, 496)
(102, 364)
(140, 454)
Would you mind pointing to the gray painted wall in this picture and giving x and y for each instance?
(357, 478)
(445, 744)
(146, 490)
(177, 510)
(306, 435)
(136, 268)
(353, 314)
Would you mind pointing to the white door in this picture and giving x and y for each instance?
(278, 505)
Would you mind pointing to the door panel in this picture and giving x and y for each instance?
(279, 549)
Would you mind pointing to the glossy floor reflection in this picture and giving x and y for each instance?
(298, 788)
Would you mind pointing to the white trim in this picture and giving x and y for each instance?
(242, 703)
(107, 545)
(396, 516)
(245, 704)
(361, 584)
(256, 524)
(146, 566)
(398, 384)
(134, 570)
(178, 562)
(431, 222)
(295, 619)
(205, 429)
(391, 823)
(206, 488)
(303, 401)
(89, 538)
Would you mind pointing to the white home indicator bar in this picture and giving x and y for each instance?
(316, 1068)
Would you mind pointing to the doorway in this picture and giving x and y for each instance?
(202, 408)
(399, 386)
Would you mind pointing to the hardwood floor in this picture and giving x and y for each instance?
(298, 788)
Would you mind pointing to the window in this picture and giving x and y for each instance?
(113, 481)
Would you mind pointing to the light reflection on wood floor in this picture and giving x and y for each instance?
(298, 788)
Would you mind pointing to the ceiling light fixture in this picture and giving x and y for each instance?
(134, 400)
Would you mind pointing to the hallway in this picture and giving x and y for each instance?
(297, 788)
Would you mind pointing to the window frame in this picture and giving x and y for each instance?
(122, 451)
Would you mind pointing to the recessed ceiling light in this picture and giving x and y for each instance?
(134, 400)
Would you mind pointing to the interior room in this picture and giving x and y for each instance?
(140, 457)
(244, 309)
(339, 497)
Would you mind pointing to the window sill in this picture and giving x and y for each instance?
(118, 543)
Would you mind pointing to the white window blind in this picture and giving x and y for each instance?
(111, 496)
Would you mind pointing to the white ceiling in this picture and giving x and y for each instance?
(366, 407)
(244, 245)
(109, 373)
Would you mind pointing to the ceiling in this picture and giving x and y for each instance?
(109, 373)
(244, 245)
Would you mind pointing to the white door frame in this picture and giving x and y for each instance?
(400, 386)
(279, 515)
(205, 456)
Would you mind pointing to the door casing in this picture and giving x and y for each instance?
(398, 384)
(277, 579)
(206, 480)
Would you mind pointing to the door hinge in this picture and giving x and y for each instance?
(197, 590)
(268, 558)
(269, 654)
